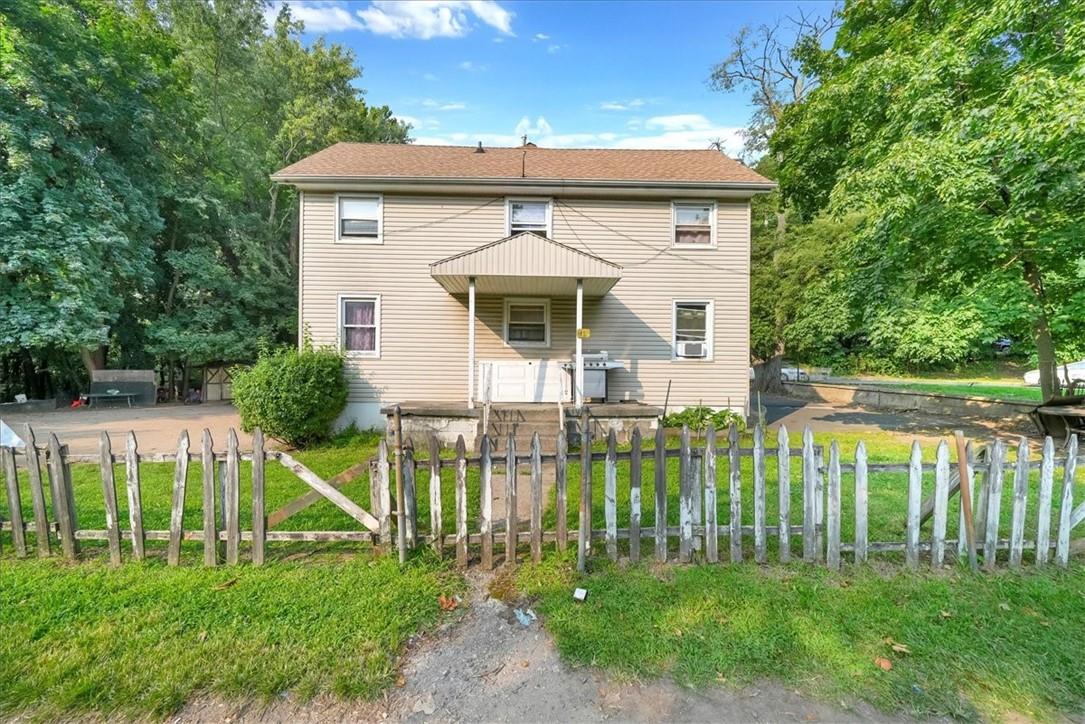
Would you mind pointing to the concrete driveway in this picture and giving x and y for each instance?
(157, 428)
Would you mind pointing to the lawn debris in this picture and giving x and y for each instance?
(883, 663)
(580, 595)
(226, 584)
(897, 646)
(448, 603)
(945, 614)
(525, 616)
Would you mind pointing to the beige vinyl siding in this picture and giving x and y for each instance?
(423, 333)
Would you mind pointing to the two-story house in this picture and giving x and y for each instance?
(452, 277)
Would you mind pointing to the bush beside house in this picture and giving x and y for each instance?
(294, 396)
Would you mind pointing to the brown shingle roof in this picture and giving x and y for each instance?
(379, 160)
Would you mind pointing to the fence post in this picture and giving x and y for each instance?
(735, 494)
(233, 491)
(561, 483)
(861, 503)
(712, 532)
(177, 507)
(685, 499)
(783, 475)
(1043, 503)
(941, 505)
(512, 525)
(809, 510)
(486, 503)
(15, 506)
(966, 519)
(62, 499)
(661, 492)
(915, 502)
(1020, 502)
(135, 497)
(536, 498)
(994, 505)
(1062, 548)
(461, 502)
(584, 531)
(759, 533)
(436, 524)
(610, 495)
(384, 478)
(210, 524)
(259, 515)
(634, 494)
(832, 555)
(37, 494)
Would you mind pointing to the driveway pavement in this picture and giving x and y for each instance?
(157, 428)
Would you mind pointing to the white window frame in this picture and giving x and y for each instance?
(340, 239)
(549, 212)
(712, 243)
(710, 324)
(538, 301)
(341, 299)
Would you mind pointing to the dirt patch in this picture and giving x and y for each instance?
(496, 663)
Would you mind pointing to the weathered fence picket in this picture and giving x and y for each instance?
(685, 500)
(37, 494)
(993, 507)
(809, 491)
(862, 503)
(536, 498)
(941, 505)
(177, 504)
(384, 473)
(486, 503)
(583, 535)
(712, 543)
(435, 524)
(832, 555)
(1066, 507)
(259, 511)
(410, 496)
(210, 525)
(461, 502)
(135, 496)
(783, 477)
(1043, 502)
(561, 485)
(1020, 501)
(759, 525)
(232, 501)
(635, 475)
(15, 505)
(661, 495)
(915, 501)
(512, 525)
(967, 486)
(735, 493)
(610, 495)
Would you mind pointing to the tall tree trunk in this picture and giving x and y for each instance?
(1045, 346)
(93, 358)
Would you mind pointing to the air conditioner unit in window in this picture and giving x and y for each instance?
(692, 349)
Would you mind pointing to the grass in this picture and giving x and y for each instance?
(1014, 393)
(144, 639)
(980, 646)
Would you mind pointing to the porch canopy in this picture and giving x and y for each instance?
(526, 264)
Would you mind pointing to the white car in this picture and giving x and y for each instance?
(793, 374)
(1076, 370)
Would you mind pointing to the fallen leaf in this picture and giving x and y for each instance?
(883, 664)
(201, 636)
(447, 603)
(897, 646)
(1004, 606)
(401, 681)
(845, 584)
(945, 614)
(525, 663)
(225, 584)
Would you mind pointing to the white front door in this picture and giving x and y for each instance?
(523, 381)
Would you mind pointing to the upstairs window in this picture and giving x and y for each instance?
(359, 219)
(694, 224)
(527, 322)
(529, 215)
(359, 326)
(693, 330)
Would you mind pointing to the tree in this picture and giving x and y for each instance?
(955, 128)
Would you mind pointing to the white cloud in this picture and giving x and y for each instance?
(629, 105)
(321, 16)
(434, 19)
(470, 66)
(542, 133)
(541, 36)
(408, 119)
(553, 49)
(443, 105)
(679, 122)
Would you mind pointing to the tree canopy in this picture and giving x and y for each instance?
(137, 220)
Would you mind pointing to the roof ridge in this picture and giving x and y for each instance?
(535, 148)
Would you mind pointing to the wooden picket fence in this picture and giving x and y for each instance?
(703, 469)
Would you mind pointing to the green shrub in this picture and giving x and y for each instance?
(292, 395)
(699, 416)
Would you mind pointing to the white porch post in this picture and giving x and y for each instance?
(471, 343)
(578, 385)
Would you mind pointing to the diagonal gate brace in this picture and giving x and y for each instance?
(328, 491)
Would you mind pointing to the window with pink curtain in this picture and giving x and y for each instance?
(360, 325)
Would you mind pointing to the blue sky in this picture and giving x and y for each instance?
(567, 74)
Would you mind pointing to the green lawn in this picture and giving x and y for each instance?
(142, 639)
(1016, 393)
